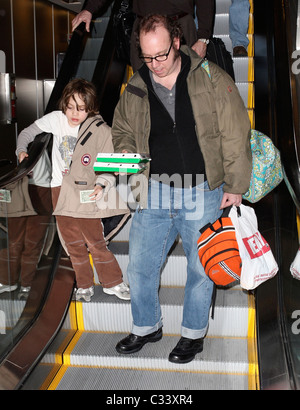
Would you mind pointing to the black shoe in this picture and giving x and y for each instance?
(186, 350)
(133, 343)
(240, 51)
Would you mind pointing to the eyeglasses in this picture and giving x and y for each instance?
(159, 58)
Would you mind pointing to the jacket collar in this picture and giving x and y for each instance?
(97, 119)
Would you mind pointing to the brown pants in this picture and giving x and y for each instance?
(83, 236)
(26, 236)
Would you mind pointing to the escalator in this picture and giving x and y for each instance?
(252, 342)
(229, 358)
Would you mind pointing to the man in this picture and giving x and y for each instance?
(196, 128)
(181, 10)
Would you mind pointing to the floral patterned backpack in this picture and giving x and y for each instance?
(267, 170)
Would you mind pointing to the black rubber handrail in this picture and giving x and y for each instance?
(68, 67)
(109, 71)
(36, 149)
(276, 214)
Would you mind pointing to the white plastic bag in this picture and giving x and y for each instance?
(258, 262)
(295, 266)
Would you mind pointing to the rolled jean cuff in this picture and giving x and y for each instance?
(192, 333)
(146, 330)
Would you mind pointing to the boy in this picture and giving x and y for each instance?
(79, 133)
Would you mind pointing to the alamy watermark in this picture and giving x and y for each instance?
(296, 323)
(184, 192)
(296, 63)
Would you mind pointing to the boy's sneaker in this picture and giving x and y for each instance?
(24, 292)
(7, 288)
(121, 291)
(85, 294)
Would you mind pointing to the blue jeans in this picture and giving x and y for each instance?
(238, 22)
(170, 211)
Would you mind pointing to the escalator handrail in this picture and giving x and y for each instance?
(109, 72)
(68, 67)
(275, 99)
(291, 142)
(35, 152)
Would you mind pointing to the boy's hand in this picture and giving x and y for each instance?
(97, 194)
(22, 156)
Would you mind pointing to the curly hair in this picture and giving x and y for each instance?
(85, 90)
(152, 21)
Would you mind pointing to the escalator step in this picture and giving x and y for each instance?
(87, 378)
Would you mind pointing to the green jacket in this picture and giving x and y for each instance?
(222, 126)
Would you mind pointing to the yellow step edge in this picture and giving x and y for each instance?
(79, 316)
(250, 102)
(51, 377)
(251, 7)
(250, 69)
(251, 46)
(253, 378)
(64, 357)
(298, 225)
(70, 348)
(58, 357)
(72, 316)
(251, 24)
(58, 378)
(66, 362)
(251, 118)
(150, 369)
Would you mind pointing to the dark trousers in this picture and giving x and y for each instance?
(26, 237)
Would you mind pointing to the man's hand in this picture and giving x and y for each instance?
(230, 199)
(84, 16)
(200, 48)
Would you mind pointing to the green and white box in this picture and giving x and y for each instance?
(130, 158)
(117, 167)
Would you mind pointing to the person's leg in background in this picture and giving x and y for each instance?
(238, 26)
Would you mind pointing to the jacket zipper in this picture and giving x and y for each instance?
(174, 125)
